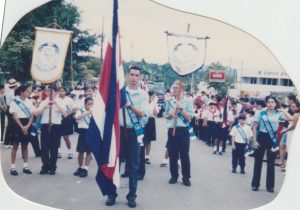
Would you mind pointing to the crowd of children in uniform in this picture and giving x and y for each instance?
(55, 112)
(251, 127)
(51, 111)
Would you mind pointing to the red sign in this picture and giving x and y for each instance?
(216, 76)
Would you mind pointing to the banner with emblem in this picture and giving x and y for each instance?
(187, 53)
(49, 54)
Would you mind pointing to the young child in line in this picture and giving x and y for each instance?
(241, 134)
(83, 117)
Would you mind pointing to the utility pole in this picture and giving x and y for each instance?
(241, 73)
(230, 70)
(102, 41)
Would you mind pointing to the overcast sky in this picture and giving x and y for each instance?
(142, 26)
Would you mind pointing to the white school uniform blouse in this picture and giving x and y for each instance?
(230, 116)
(210, 114)
(14, 108)
(56, 116)
(69, 104)
(85, 121)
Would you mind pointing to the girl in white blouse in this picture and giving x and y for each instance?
(21, 109)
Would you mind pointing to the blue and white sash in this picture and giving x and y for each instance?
(23, 107)
(241, 132)
(270, 130)
(138, 128)
(26, 111)
(87, 118)
(68, 109)
(186, 122)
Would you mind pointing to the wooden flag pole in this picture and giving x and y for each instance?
(54, 25)
(176, 109)
(180, 93)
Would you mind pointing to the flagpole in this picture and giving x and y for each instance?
(125, 130)
(102, 41)
(181, 90)
(54, 25)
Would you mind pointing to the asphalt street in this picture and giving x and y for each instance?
(214, 187)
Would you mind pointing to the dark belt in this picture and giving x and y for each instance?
(180, 128)
(263, 132)
(128, 129)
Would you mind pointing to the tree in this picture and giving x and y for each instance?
(221, 87)
(16, 53)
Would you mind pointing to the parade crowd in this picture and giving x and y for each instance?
(42, 115)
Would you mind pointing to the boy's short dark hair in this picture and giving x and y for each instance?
(261, 103)
(88, 99)
(135, 68)
(251, 112)
(292, 97)
(242, 117)
(151, 93)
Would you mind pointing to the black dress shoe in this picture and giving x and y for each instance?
(27, 171)
(124, 175)
(52, 172)
(131, 203)
(254, 188)
(271, 190)
(163, 164)
(111, 199)
(13, 172)
(233, 170)
(83, 173)
(186, 182)
(172, 180)
(77, 172)
(243, 171)
(43, 171)
(147, 161)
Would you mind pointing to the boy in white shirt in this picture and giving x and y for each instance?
(241, 134)
(52, 110)
(209, 116)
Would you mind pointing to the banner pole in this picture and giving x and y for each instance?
(54, 25)
(71, 61)
(176, 110)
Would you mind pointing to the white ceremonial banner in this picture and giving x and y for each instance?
(49, 54)
(186, 53)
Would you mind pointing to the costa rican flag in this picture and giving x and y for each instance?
(103, 135)
(226, 103)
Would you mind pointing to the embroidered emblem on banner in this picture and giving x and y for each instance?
(48, 55)
(187, 53)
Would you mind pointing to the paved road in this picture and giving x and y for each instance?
(214, 187)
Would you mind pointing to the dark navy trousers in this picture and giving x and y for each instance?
(238, 157)
(265, 145)
(178, 147)
(49, 145)
(130, 150)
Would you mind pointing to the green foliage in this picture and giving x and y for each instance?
(16, 53)
(221, 87)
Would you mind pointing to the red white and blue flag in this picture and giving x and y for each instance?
(103, 135)
(226, 103)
